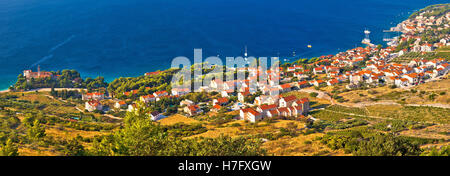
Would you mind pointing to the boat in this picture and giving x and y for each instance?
(245, 54)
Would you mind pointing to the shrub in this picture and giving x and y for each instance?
(313, 94)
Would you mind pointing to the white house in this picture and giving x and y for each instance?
(155, 116)
(93, 105)
(250, 115)
(147, 98)
(287, 101)
(120, 104)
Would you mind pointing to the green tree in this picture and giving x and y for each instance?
(142, 137)
(74, 148)
(9, 149)
(444, 151)
(387, 145)
(36, 130)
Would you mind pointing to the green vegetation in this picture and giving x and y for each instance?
(9, 149)
(433, 10)
(443, 151)
(220, 118)
(313, 94)
(184, 130)
(66, 94)
(412, 113)
(66, 79)
(154, 83)
(372, 144)
(41, 123)
(140, 136)
(399, 125)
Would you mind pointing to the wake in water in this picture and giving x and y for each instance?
(42, 60)
(62, 43)
(53, 49)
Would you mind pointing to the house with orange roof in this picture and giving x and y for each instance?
(216, 108)
(250, 114)
(319, 70)
(93, 105)
(152, 73)
(220, 101)
(296, 110)
(300, 75)
(284, 111)
(192, 110)
(438, 72)
(180, 91)
(132, 92)
(287, 101)
(265, 99)
(290, 69)
(120, 104)
(263, 109)
(332, 82)
(304, 103)
(93, 96)
(284, 87)
(401, 82)
(331, 69)
(302, 84)
(413, 78)
(426, 47)
(273, 113)
(160, 93)
(28, 74)
(147, 98)
(444, 66)
(318, 83)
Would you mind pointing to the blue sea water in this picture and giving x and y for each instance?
(122, 38)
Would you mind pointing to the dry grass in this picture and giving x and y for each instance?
(37, 151)
(216, 132)
(365, 95)
(419, 114)
(314, 100)
(441, 85)
(431, 132)
(397, 94)
(176, 119)
(296, 146)
(246, 128)
(64, 133)
(41, 97)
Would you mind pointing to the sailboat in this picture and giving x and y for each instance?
(245, 54)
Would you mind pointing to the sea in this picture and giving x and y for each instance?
(126, 38)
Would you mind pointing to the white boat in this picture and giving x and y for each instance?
(245, 54)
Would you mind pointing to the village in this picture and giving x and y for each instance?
(369, 66)
(350, 102)
(357, 67)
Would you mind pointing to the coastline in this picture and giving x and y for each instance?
(110, 79)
